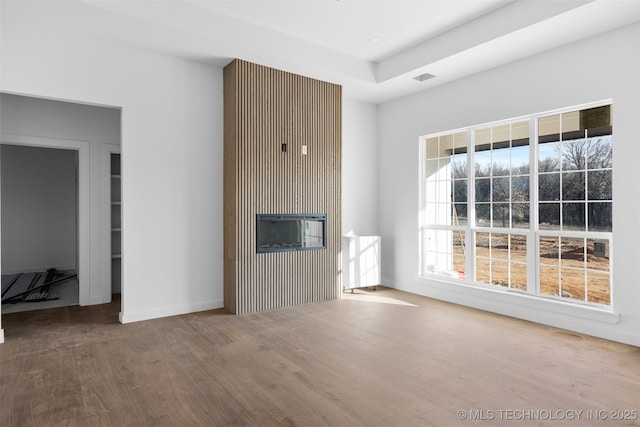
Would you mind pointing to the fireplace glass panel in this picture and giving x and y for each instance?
(280, 233)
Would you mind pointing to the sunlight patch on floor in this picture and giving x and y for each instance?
(370, 296)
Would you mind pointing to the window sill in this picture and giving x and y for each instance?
(514, 303)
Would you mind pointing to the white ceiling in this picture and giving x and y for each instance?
(373, 48)
(368, 30)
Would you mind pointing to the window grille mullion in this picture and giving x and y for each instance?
(533, 247)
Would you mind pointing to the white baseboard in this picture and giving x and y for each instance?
(170, 311)
(1, 336)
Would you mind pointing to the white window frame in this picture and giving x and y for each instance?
(533, 233)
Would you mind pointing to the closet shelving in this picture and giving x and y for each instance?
(116, 224)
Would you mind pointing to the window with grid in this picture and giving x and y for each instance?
(481, 222)
(575, 205)
(444, 205)
(502, 203)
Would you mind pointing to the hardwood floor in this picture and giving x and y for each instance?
(382, 358)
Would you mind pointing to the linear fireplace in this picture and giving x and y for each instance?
(282, 233)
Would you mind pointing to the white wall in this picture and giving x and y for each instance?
(359, 168)
(171, 154)
(39, 209)
(604, 67)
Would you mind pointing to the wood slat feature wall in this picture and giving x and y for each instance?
(263, 109)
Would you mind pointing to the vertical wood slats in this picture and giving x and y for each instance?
(263, 109)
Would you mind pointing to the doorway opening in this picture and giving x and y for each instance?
(39, 212)
(89, 133)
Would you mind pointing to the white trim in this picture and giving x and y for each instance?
(170, 311)
(84, 201)
(1, 336)
(537, 302)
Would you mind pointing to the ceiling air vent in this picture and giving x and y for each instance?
(424, 77)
